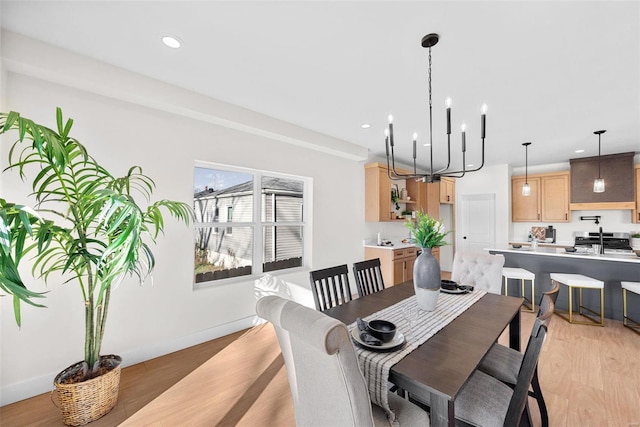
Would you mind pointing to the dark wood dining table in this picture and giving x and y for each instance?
(439, 368)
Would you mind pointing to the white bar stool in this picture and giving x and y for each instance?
(522, 275)
(635, 288)
(581, 282)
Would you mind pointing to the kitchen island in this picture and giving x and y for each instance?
(610, 268)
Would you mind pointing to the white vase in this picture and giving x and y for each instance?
(426, 280)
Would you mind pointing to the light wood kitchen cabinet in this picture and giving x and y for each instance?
(525, 208)
(554, 196)
(548, 201)
(447, 191)
(427, 197)
(377, 194)
(636, 212)
(396, 264)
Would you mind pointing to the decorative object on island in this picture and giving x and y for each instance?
(598, 184)
(635, 240)
(91, 231)
(526, 190)
(429, 41)
(428, 233)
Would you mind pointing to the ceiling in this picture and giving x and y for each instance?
(551, 72)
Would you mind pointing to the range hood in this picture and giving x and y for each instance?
(617, 172)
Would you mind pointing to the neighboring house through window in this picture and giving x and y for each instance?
(267, 211)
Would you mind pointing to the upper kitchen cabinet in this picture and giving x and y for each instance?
(636, 212)
(548, 201)
(447, 191)
(377, 196)
(377, 193)
(554, 196)
(525, 208)
(427, 197)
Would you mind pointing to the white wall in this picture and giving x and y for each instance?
(152, 320)
(489, 180)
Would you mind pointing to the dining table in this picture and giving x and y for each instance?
(437, 370)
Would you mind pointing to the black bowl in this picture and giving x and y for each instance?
(570, 249)
(516, 246)
(449, 285)
(382, 329)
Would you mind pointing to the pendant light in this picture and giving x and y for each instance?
(526, 190)
(598, 184)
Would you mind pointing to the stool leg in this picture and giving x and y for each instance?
(570, 304)
(602, 307)
(533, 294)
(580, 301)
(624, 307)
(506, 286)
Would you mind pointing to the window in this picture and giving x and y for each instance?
(229, 219)
(267, 211)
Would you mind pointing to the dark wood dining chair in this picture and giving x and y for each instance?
(368, 276)
(326, 382)
(486, 401)
(503, 363)
(330, 287)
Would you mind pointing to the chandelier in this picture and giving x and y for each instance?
(429, 41)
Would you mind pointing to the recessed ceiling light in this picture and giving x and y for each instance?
(365, 126)
(470, 165)
(171, 41)
(579, 151)
(427, 145)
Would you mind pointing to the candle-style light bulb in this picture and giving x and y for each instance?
(415, 136)
(463, 127)
(484, 109)
(390, 118)
(448, 102)
(386, 133)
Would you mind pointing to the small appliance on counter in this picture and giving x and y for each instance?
(550, 233)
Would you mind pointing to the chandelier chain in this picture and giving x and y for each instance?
(429, 77)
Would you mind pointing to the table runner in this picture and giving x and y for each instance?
(375, 366)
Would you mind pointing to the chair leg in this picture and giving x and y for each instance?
(537, 391)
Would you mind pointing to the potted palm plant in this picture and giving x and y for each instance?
(87, 226)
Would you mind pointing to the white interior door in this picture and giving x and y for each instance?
(477, 222)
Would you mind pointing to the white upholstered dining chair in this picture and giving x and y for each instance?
(478, 269)
(327, 386)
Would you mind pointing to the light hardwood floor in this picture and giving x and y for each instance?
(590, 376)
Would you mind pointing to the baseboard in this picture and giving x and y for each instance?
(44, 383)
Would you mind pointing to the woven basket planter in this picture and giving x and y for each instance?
(83, 402)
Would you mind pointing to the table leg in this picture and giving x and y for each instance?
(514, 332)
(442, 411)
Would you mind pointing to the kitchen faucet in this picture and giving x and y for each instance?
(601, 241)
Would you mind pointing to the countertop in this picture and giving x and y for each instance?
(560, 252)
(394, 244)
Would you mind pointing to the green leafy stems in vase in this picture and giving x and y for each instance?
(426, 231)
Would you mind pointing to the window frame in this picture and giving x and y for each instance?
(258, 225)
